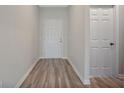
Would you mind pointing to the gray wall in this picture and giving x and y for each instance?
(18, 42)
(121, 39)
(76, 44)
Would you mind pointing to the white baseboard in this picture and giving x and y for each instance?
(53, 58)
(19, 83)
(43, 58)
(66, 58)
(121, 76)
(84, 81)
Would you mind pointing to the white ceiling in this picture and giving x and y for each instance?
(53, 5)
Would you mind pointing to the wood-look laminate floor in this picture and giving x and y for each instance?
(106, 82)
(58, 73)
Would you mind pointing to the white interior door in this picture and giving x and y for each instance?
(102, 41)
(52, 38)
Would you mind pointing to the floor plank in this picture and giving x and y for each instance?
(58, 73)
(106, 82)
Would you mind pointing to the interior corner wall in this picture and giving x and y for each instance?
(18, 42)
(121, 39)
(76, 44)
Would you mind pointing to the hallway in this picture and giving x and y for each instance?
(58, 73)
(52, 73)
(61, 46)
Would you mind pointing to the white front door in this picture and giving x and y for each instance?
(102, 41)
(52, 38)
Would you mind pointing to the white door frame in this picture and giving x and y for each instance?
(87, 42)
(116, 28)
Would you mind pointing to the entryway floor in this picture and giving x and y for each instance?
(58, 73)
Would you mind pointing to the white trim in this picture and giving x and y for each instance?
(53, 58)
(121, 75)
(65, 58)
(84, 81)
(116, 25)
(47, 58)
(19, 83)
(44, 58)
(87, 46)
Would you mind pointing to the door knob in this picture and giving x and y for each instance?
(111, 44)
